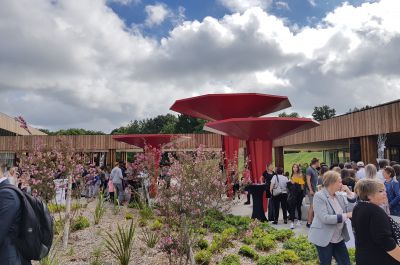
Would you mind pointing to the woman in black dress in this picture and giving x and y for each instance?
(268, 174)
(375, 243)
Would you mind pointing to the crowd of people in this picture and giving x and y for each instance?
(118, 184)
(122, 184)
(364, 196)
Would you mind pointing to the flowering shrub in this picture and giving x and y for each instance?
(196, 186)
(43, 164)
(149, 161)
(169, 245)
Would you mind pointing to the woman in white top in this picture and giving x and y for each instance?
(371, 172)
(278, 190)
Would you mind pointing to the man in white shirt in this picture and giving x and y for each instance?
(361, 170)
(279, 183)
(382, 163)
(116, 178)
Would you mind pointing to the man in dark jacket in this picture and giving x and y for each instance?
(10, 218)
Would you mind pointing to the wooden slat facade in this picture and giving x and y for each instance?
(100, 143)
(378, 120)
(368, 149)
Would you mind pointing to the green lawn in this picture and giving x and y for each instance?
(299, 158)
(290, 159)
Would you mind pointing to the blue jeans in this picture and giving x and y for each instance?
(337, 250)
(120, 192)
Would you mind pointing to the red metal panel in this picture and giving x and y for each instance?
(260, 128)
(223, 106)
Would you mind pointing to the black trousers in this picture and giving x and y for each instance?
(236, 190)
(248, 193)
(293, 206)
(280, 200)
(271, 209)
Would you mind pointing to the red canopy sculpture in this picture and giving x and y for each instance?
(214, 107)
(156, 142)
(224, 106)
(259, 133)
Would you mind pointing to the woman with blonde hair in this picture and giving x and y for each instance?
(328, 231)
(374, 239)
(370, 172)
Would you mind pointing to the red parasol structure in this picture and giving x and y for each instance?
(214, 107)
(156, 141)
(259, 133)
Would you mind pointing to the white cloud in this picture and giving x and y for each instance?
(282, 5)
(125, 2)
(312, 3)
(68, 64)
(156, 14)
(243, 5)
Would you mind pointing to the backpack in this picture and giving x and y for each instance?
(35, 235)
(276, 190)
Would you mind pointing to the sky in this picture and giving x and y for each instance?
(98, 64)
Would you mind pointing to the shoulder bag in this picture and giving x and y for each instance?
(276, 190)
(395, 230)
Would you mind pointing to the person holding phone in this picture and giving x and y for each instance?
(328, 231)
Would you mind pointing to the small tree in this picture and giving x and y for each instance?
(323, 113)
(41, 165)
(381, 145)
(290, 115)
(196, 186)
(149, 160)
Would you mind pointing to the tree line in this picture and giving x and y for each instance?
(171, 124)
(168, 124)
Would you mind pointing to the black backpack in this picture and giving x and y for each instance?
(36, 229)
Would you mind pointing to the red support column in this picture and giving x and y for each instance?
(260, 153)
(230, 147)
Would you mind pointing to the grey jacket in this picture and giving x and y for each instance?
(325, 219)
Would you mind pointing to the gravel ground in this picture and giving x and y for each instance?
(84, 243)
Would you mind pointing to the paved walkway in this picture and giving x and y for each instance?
(245, 210)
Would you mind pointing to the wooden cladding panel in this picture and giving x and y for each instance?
(100, 142)
(279, 156)
(368, 149)
(382, 119)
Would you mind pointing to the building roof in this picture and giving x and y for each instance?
(13, 126)
(380, 119)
